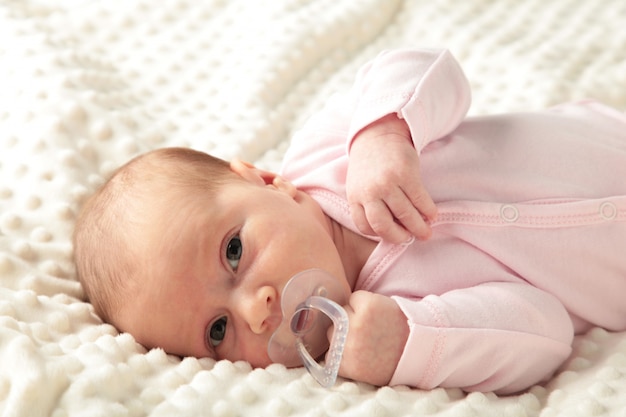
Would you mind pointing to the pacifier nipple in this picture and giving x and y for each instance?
(311, 302)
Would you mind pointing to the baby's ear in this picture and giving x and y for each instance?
(285, 186)
(250, 173)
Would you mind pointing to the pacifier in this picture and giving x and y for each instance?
(311, 301)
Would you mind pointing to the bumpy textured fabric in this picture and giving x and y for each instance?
(86, 85)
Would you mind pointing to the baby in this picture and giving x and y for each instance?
(474, 248)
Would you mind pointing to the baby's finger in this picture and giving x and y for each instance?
(421, 199)
(409, 217)
(360, 219)
(382, 222)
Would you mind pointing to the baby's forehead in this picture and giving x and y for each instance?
(171, 203)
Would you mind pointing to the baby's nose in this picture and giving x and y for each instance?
(257, 309)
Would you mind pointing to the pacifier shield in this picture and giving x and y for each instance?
(302, 324)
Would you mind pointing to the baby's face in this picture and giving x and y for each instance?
(217, 268)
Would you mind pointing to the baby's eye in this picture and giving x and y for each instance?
(234, 250)
(217, 332)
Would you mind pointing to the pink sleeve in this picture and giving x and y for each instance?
(425, 87)
(500, 337)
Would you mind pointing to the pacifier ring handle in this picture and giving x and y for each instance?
(326, 375)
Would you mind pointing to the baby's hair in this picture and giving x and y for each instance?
(108, 226)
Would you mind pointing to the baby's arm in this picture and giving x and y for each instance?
(500, 337)
(404, 100)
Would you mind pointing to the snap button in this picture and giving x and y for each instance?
(509, 213)
(608, 210)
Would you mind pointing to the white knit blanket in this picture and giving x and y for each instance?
(85, 85)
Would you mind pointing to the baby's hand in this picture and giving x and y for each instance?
(376, 337)
(383, 183)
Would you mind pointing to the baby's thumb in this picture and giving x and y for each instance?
(329, 335)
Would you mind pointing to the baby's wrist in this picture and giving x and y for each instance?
(384, 132)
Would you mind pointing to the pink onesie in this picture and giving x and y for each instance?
(529, 247)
